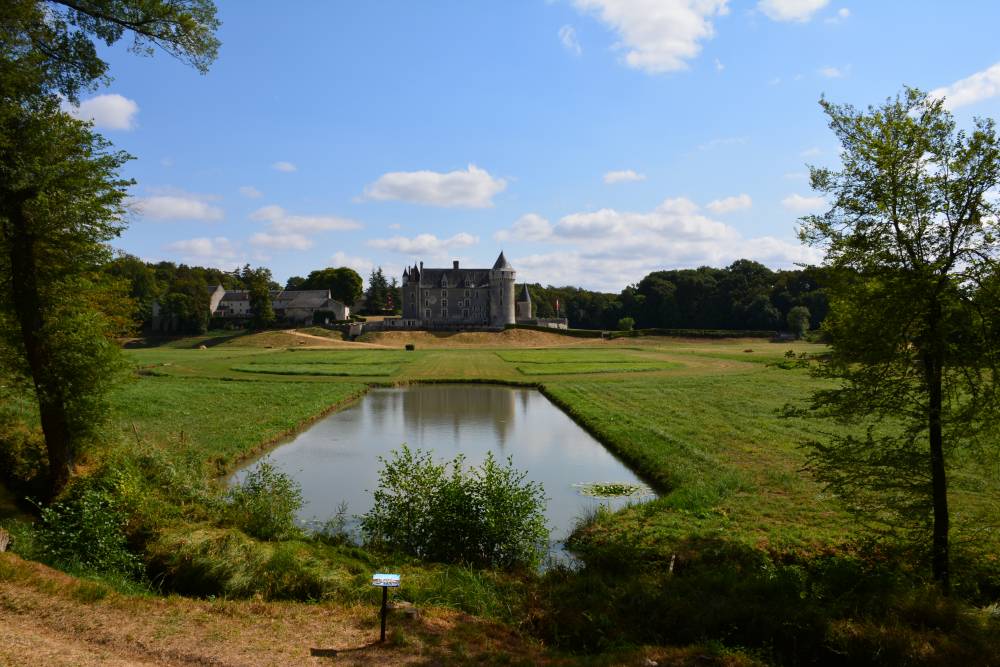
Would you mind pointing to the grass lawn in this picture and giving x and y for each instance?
(698, 419)
(760, 547)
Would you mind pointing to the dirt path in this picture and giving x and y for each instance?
(50, 618)
(330, 342)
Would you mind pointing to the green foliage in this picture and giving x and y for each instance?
(626, 324)
(196, 560)
(383, 296)
(788, 610)
(487, 516)
(912, 237)
(48, 46)
(86, 532)
(265, 503)
(798, 321)
(61, 201)
(258, 283)
(344, 283)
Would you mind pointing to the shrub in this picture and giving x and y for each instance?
(486, 516)
(264, 505)
(626, 324)
(86, 532)
(410, 347)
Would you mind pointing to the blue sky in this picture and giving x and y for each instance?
(593, 141)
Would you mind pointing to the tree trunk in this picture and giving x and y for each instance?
(939, 549)
(25, 295)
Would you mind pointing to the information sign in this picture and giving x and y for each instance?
(385, 580)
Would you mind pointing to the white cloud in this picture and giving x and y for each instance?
(835, 72)
(677, 218)
(799, 204)
(719, 66)
(797, 175)
(169, 204)
(424, 244)
(250, 192)
(658, 35)
(567, 35)
(286, 167)
(167, 162)
(623, 176)
(608, 249)
(812, 151)
(362, 265)
(730, 204)
(976, 88)
(395, 225)
(791, 10)
(281, 241)
(529, 227)
(285, 223)
(219, 252)
(473, 188)
(109, 112)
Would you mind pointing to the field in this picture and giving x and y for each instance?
(698, 420)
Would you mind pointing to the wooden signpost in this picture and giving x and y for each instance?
(386, 581)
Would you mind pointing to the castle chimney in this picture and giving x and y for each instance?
(454, 264)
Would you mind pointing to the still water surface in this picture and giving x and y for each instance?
(336, 459)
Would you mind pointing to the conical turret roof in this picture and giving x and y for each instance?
(525, 295)
(502, 264)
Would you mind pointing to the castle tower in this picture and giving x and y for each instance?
(502, 277)
(523, 305)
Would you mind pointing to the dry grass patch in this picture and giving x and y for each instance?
(50, 625)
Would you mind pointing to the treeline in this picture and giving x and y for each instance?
(743, 295)
(181, 290)
(183, 297)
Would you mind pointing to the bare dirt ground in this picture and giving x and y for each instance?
(323, 341)
(50, 618)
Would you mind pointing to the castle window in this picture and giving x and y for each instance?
(444, 303)
(466, 292)
(465, 313)
(444, 314)
(444, 293)
(427, 314)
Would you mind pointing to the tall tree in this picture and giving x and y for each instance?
(60, 202)
(258, 282)
(61, 197)
(344, 283)
(913, 237)
(377, 294)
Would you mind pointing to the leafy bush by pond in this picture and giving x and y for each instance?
(487, 516)
(86, 532)
(264, 505)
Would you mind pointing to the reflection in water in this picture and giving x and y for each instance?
(337, 458)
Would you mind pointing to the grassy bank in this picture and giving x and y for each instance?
(737, 520)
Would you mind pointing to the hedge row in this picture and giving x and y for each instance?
(695, 333)
(685, 333)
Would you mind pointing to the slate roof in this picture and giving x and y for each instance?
(525, 295)
(455, 277)
(315, 298)
(502, 263)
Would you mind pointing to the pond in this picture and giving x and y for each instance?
(336, 459)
